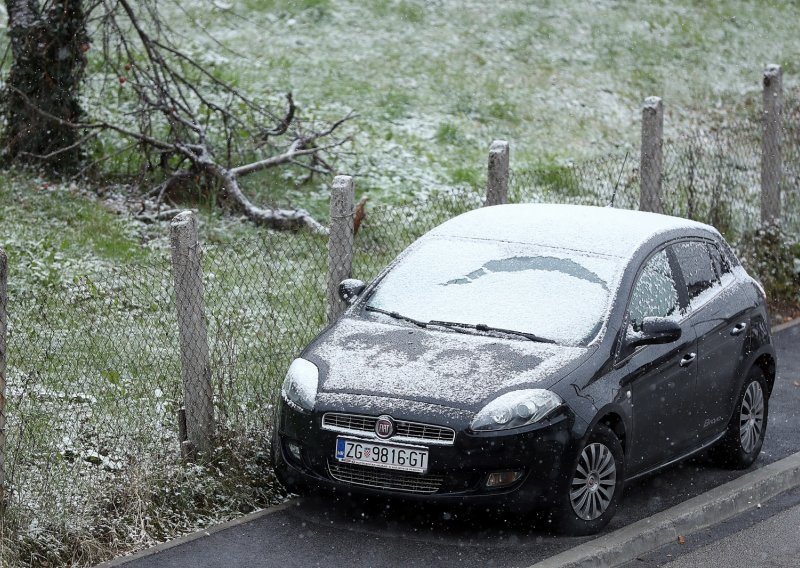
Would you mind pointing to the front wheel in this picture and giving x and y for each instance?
(747, 427)
(594, 489)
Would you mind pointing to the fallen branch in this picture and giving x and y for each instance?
(173, 114)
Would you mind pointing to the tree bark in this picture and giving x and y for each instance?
(48, 61)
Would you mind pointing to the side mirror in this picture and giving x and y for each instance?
(655, 331)
(350, 290)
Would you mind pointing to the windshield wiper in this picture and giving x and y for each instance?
(396, 315)
(484, 327)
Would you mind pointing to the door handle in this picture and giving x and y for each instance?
(687, 359)
(738, 328)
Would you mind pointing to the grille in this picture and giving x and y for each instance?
(384, 479)
(404, 431)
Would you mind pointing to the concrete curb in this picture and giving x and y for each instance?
(697, 513)
(786, 325)
(122, 560)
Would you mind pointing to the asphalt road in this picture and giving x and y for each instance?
(347, 533)
(767, 536)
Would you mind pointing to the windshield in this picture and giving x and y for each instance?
(556, 294)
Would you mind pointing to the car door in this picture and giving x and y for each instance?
(719, 315)
(660, 379)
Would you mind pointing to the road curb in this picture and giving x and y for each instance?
(153, 550)
(786, 325)
(708, 509)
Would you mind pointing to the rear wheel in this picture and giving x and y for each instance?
(595, 485)
(747, 427)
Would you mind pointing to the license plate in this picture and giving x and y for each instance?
(403, 458)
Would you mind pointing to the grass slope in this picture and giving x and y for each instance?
(435, 81)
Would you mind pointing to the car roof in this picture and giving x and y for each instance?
(600, 230)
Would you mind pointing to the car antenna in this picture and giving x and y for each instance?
(616, 185)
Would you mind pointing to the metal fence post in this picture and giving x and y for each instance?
(340, 242)
(3, 361)
(771, 158)
(497, 181)
(189, 303)
(652, 154)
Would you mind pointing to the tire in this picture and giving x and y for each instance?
(747, 427)
(593, 490)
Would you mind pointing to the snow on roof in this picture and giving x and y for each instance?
(601, 230)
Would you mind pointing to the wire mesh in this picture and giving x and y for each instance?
(386, 230)
(93, 384)
(611, 179)
(265, 300)
(714, 177)
(790, 194)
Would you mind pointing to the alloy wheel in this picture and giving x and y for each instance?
(594, 482)
(751, 417)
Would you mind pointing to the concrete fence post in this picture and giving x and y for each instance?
(497, 180)
(3, 361)
(195, 365)
(340, 242)
(771, 155)
(652, 155)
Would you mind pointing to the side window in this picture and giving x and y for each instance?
(655, 293)
(697, 268)
(721, 265)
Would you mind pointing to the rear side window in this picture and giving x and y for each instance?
(655, 293)
(721, 264)
(696, 266)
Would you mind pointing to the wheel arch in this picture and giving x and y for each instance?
(763, 359)
(612, 418)
(766, 362)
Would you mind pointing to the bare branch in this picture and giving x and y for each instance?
(53, 154)
(283, 126)
(189, 124)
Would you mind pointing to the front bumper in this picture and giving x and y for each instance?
(545, 452)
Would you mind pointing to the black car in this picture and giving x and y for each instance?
(533, 357)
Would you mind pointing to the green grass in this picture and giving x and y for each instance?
(433, 84)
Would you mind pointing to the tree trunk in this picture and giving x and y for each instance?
(48, 60)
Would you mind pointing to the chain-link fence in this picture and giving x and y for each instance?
(91, 400)
(96, 378)
(95, 395)
(265, 301)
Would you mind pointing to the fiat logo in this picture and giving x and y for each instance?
(384, 427)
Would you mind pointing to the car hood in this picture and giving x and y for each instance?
(434, 366)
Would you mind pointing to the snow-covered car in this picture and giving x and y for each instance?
(534, 357)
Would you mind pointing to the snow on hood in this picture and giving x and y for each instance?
(437, 367)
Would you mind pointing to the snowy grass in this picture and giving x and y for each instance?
(94, 374)
(435, 81)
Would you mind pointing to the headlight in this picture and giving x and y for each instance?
(515, 409)
(300, 385)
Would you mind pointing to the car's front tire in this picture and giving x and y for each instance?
(593, 491)
(747, 427)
